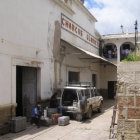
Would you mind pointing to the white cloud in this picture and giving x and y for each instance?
(114, 13)
(85, 3)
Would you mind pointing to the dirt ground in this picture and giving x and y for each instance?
(96, 128)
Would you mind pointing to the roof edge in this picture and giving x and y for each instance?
(85, 10)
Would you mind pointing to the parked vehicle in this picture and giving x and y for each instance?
(80, 100)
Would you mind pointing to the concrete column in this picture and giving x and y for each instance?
(118, 53)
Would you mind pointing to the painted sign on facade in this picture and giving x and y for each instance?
(74, 28)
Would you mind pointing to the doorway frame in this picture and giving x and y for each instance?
(25, 63)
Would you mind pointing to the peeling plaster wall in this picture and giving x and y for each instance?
(58, 58)
(27, 34)
(26, 39)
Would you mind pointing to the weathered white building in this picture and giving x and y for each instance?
(43, 45)
(117, 46)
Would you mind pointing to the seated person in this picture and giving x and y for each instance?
(54, 103)
(36, 114)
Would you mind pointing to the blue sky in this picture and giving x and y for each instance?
(94, 4)
(111, 14)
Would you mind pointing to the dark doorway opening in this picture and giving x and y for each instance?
(73, 77)
(26, 90)
(94, 80)
(110, 51)
(125, 50)
(111, 89)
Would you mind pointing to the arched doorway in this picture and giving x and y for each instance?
(110, 51)
(125, 49)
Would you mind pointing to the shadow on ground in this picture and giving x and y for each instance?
(33, 130)
(30, 131)
(108, 104)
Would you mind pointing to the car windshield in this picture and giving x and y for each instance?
(69, 95)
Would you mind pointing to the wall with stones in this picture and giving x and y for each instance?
(128, 99)
(6, 113)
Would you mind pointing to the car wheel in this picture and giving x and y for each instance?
(79, 117)
(89, 113)
(100, 108)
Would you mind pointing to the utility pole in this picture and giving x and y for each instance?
(122, 28)
(136, 34)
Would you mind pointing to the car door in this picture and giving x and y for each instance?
(87, 94)
(97, 98)
(93, 99)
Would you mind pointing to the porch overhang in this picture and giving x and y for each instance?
(89, 55)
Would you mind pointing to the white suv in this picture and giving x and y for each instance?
(80, 100)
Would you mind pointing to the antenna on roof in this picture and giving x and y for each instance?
(136, 33)
(122, 28)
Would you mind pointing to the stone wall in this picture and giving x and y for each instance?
(128, 99)
(6, 114)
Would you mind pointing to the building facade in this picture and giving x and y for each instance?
(43, 45)
(116, 47)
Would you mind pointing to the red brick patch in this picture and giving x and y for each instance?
(133, 113)
(138, 101)
(126, 101)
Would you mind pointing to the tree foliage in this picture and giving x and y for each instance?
(135, 56)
